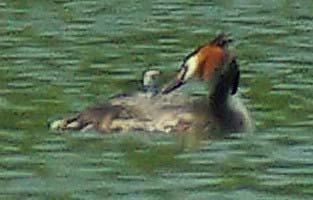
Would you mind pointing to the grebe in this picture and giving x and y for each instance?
(152, 111)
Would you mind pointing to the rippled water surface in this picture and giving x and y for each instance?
(57, 57)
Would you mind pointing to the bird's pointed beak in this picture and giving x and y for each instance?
(177, 83)
(172, 86)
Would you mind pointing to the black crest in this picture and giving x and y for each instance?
(221, 40)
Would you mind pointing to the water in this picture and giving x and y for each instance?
(57, 57)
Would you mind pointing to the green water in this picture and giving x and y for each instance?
(57, 57)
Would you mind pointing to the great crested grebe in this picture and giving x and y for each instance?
(152, 111)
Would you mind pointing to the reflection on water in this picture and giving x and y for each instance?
(57, 57)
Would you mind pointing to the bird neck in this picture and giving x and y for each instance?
(219, 95)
